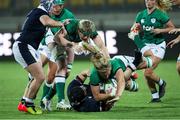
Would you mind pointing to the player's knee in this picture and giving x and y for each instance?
(178, 67)
(50, 78)
(40, 79)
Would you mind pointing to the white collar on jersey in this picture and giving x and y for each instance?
(41, 7)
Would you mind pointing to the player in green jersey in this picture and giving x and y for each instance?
(59, 68)
(66, 57)
(105, 70)
(151, 43)
(71, 35)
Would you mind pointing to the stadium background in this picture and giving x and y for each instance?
(113, 19)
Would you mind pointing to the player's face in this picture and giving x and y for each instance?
(83, 37)
(56, 9)
(150, 3)
(105, 73)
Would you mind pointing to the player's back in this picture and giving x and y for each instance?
(33, 30)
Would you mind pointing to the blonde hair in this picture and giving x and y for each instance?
(164, 5)
(99, 60)
(86, 26)
(100, 63)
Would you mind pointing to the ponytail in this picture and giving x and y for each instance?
(164, 5)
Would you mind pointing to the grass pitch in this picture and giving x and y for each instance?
(13, 80)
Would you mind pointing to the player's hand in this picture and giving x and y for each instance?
(62, 32)
(113, 100)
(174, 31)
(172, 43)
(78, 49)
(67, 21)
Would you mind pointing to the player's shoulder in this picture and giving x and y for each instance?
(159, 12)
(67, 11)
(37, 12)
(142, 12)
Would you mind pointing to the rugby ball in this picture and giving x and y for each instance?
(109, 87)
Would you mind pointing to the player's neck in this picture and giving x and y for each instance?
(150, 10)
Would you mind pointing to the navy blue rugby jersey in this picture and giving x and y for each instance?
(33, 30)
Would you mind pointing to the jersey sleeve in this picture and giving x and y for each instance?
(94, 79)
(115, 65)
(41, 13)
(72, 26)
(164, 17)
(70, 14)
(138, 18)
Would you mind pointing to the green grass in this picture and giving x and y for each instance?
(13, 80)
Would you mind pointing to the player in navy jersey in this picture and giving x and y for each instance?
(81, 98)
(25, 49)
(176, 40)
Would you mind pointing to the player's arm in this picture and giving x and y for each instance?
(47, 21)
(60, 39)
(174, 42)
(120, 83)
(83, 75)
(100, 44)
(100, 96)
(169, 27)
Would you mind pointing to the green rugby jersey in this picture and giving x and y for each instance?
(65, 14)
(116, 64)
(157, 19)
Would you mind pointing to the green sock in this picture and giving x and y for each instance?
(46, 89)
(60, 87)
(51, 93)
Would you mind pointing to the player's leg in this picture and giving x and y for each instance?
(27, 57)
(148, 58)
(21, 105)
(60, 80)
(37, 72)
(178, 64)
(152, 78)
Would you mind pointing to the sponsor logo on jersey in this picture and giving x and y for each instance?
(148, 28)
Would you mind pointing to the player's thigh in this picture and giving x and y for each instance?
(159, 50)
(36, 71)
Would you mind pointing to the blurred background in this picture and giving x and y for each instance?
(113, 19)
